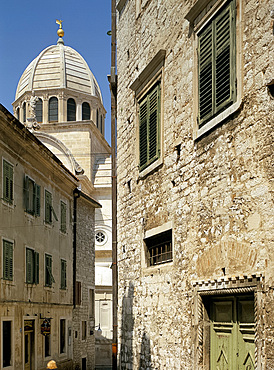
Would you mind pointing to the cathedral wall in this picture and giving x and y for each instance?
(214, 191)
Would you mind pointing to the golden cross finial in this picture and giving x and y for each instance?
(59, 22)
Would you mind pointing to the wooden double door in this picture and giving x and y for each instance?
(232, 332)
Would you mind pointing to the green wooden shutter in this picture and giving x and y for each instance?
(7, 182)
(7, 260)
(224, 58)
(37, 203)
(63, 225)
(36, 267)
(48, 207)
(217, 64)
(48, 266)
(26, 192)
(205, 73)
(29, 266)
(153, 123)
(63, 274)
(149, 132)
(143, 133)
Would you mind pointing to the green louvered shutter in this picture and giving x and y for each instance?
(143, 133)
(63, 226)
(37, 202)
(149, 133)
(225, 57)
(153, 124)
(205, 74)
(29, 266)
(7, 260)
(217, 64)
(7, 182)
(26, 192)
(36, 267)
(63, 274)
(48, 207)
(48, 272)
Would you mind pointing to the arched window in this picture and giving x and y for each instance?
(39, 110)
(53, 109)
(101, 124)
(97, 118)
(18, 113)
(71, 109)
(85, 111)
(24, 113)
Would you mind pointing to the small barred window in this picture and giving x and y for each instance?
(159, 248)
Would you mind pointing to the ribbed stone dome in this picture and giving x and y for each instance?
(58, 66)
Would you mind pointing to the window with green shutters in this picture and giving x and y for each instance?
(32, 266)
(48, 207)
(63, 225)
(217, 64)
(32, 193)
(49, 279)
(63, 274)
(7, 260)
(149, 127)
(7, 182)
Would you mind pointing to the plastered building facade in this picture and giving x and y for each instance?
(59, 100)
(36, 251)
(195, 184)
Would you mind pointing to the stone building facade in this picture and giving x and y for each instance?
(195, 184)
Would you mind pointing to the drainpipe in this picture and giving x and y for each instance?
(76, 195)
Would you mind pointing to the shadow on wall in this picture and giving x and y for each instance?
(126, 355)
(145, 356)
(127, 326)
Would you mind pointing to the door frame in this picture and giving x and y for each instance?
(228, 286)
(34, 350)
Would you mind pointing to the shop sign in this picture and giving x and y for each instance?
(45, 327)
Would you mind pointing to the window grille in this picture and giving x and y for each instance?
(159, 248)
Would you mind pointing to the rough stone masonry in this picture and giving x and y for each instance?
(214, 188)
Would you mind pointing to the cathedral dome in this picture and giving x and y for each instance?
(58, 67)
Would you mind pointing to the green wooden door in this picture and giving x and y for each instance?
(232, 333)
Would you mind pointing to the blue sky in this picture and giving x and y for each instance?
(27, 27)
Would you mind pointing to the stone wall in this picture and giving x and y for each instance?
(216, 190)
(84, 346)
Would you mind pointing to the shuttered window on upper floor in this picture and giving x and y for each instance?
(32, 196)
(149, 127)
(63, 224)
(63, 274)
(7, 260)
(217, 64)
(49, 279)
(32, 266)
(7, 182)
